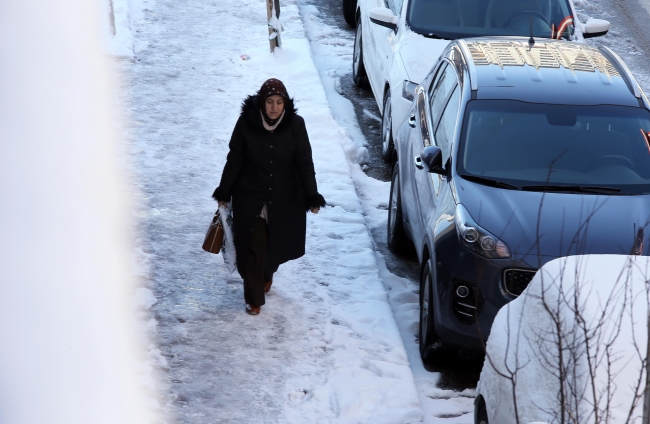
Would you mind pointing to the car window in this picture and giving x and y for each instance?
(452, 19)
(445, 132)
(396, 6)
(422, 119)
(533, 144)
(437, 78)
(440, 89)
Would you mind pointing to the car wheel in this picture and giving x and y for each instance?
(396, 236)
(481, 414)
(349, 11)
(359, 75)
(430, 344)
(387, 129)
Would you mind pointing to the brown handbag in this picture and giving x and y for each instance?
(214, 236)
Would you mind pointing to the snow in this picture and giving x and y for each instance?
(613, 294)
(337, 337)
(325, 344)
(332, 54)
(117, 30)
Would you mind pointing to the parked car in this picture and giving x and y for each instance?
(513, 153)
(590, 367)
(395, 46)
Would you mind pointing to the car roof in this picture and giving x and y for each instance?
(548, 71)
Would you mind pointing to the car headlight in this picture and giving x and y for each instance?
(408, 90)
(477, 239)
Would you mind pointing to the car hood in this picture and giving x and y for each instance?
(419, 54)
(569, 224)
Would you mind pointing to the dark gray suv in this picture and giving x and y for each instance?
(515, 152)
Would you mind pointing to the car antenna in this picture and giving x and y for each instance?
(531, 40)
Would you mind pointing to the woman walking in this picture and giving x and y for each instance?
(269, 175)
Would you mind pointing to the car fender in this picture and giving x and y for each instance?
(375, 78)
(399, 105)
(429, 247)
(439, 223)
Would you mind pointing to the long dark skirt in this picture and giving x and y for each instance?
(256, 270)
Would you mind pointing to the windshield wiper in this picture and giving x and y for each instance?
(490, 182)
(574, 189)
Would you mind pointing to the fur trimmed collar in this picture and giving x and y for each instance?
(250, 109)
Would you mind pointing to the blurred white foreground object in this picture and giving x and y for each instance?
(67, 346)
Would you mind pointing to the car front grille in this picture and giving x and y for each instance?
(515, 280)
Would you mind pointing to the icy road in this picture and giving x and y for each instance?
(336, 340)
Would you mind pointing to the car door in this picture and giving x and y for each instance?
(438, 106)
(384, 41)
(407, 136)
(368, 39)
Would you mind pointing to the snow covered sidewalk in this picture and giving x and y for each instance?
(326, 347)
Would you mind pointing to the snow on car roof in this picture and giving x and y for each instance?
(572, 56)
(547, 71)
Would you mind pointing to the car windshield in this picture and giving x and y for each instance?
(452, 19)
(532, 146)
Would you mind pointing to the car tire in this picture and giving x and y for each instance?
(396, 236)
(387, 129)
(429, 342)
(481, 413)
(359, 75)
(349, 12)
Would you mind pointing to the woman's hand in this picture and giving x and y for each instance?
(223, 203)
(314, 210)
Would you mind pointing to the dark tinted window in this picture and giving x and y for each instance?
(436, 79)
(537, 144)
(440, 89)
(445, 133)
(453, 19)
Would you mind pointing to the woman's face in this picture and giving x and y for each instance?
(274, 106)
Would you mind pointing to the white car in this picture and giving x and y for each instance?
(398, 41)
(573, 347)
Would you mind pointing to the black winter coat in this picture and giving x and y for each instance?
(272, 167)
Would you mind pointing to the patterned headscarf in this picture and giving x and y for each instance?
(270, 87)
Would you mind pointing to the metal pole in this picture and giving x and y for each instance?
(274, 33)
(111, 16)
(278, 41)
(269, 14)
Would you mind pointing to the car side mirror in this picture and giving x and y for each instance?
(595, 28)
(383, 16)
(432, 159)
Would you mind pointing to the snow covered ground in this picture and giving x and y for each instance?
(326, 346)
(332, 54)
(336, 341)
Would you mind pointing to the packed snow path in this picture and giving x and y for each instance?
(325, 347)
